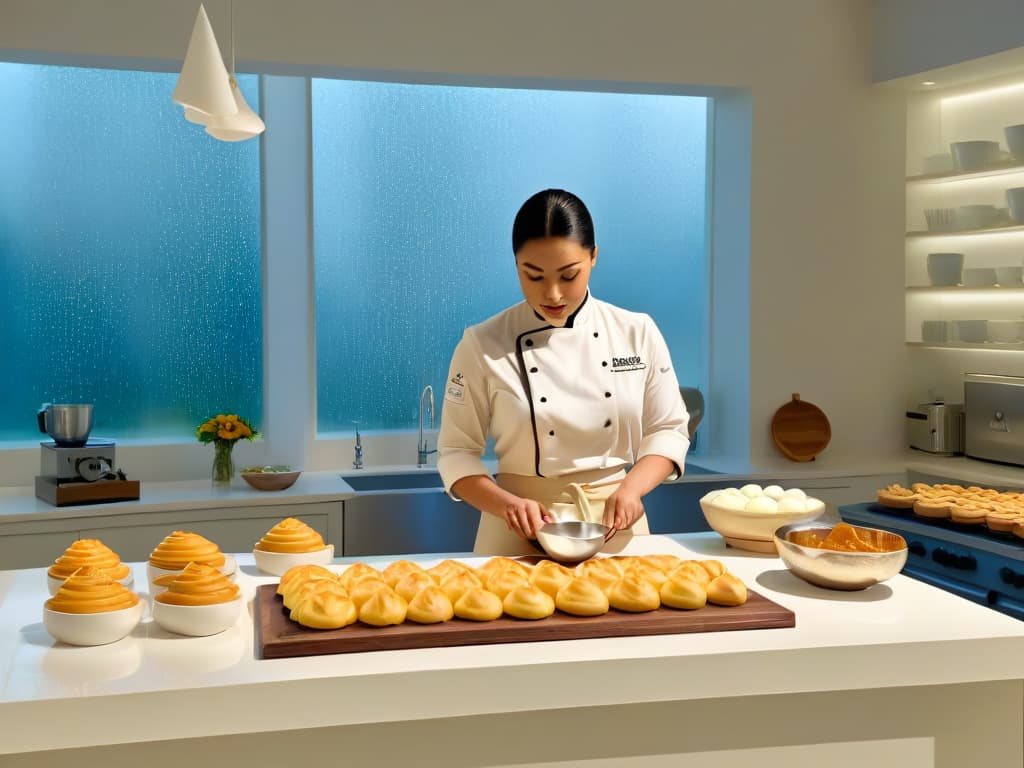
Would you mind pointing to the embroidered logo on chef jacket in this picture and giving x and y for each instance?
(455, 390)
(632, 363)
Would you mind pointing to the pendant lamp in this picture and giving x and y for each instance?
(231, 118)
(203, 87)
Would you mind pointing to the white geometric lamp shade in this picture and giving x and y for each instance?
(244, 124)
(203, 85)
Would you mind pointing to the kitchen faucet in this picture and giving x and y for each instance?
(426, 399)
(357, 463)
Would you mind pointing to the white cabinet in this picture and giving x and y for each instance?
(956, 209)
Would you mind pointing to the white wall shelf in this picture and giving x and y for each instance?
(1014, 166)
(1008, 228)
(987, 345)
(953, 289)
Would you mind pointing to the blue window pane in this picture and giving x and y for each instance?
(130, 262)
(415, 189)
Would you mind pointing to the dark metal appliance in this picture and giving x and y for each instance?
(984, 566)
(83, 474)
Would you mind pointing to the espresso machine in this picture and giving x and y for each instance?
(74, 469)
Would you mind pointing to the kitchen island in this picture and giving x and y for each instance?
(899, 674)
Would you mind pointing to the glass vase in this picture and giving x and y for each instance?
(223, 464)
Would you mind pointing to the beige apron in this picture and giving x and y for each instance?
(579, 496)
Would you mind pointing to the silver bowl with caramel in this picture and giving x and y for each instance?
(841, 556)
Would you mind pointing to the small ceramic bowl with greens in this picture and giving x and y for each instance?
(272, 477)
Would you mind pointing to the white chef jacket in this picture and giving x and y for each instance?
(598, 393)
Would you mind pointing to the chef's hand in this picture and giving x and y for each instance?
(524, 517)
(622, 508)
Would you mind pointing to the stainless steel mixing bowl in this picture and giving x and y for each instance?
(68, 424)
(572, 541)
(842, 570)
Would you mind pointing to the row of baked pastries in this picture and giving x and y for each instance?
(319, 598)
(970, 505)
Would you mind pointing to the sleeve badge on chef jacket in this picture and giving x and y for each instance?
(455, 389)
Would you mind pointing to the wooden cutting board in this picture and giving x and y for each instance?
(280, 637)
(801, 430)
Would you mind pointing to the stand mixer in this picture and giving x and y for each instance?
(73, 468)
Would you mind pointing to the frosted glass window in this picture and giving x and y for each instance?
(415, 190)
(130, 264)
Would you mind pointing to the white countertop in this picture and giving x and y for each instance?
(19, 503)
(154, 685)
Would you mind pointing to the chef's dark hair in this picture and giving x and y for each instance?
(553, 213)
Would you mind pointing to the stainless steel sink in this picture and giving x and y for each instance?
(370, 483)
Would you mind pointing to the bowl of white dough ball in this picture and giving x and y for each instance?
(748, 517)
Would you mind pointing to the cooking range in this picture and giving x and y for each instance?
(972, 561)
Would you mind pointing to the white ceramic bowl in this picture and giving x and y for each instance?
(1010, 276)
(92, 628)
(1015, 140)
(976, 216)
(197, 620)
(229, 569)
(979, 276)
(974, 155)
(276, 563)
(53, 584)
(945, 268)
(972, 331)
(1004, 331)
(754, 531)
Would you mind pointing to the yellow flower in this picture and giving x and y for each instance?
(225, 428)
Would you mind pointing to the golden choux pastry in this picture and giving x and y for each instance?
(477, 604)
(680, 591)
(634, 594)
(663, 562)
(430, 606)
(356, 573)
(197, 584)
(90, 590)
(582, 597)
(713, 567)
(457, 584)
(528, 602)
(91, 553)
(447, 568)
(398, 570)
(647, 572)
(180, 548)
(326, 609)
(383, 608)
(291, 536)
(412, 584)
(296, 591)
(499, 564)
(304, 573)
(550, 576)
(692, 569)
(727, 590)
(603, 571)
(502, 582)
(363, 590)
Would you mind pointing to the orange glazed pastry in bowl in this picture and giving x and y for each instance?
(180, 548)
(91, 553)
(289, 543)
(199, 601)
(90, 608)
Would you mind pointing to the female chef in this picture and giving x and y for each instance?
(577, 394)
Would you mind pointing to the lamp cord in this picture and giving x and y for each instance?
(231, 30)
